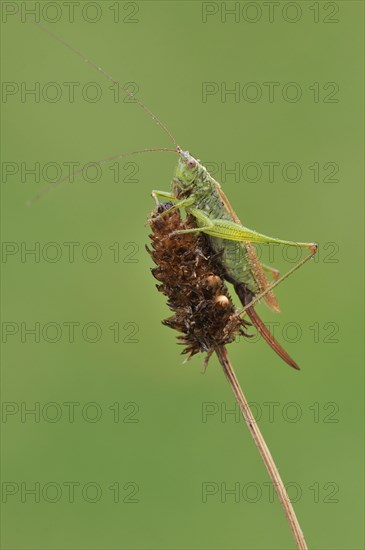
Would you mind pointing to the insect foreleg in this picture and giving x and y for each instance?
(181, 203)
(164, 194)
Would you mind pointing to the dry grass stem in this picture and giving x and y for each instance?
(262, 448)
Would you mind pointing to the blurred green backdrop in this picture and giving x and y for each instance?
(147, 432)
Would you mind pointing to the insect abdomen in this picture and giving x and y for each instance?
(233, 254)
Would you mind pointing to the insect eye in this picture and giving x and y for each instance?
(191, 163)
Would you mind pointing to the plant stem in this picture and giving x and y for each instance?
(262, 448)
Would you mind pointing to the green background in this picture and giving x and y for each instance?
(170, 451)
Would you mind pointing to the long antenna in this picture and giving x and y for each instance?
(108, 77)
(58, 182)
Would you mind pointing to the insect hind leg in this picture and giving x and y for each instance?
(313, 247)
(272, 271)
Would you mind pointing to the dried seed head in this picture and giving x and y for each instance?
(186, 270)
